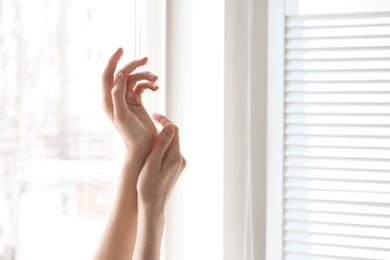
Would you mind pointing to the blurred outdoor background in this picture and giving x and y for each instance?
(58, 156)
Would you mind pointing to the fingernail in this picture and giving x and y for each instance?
(168, 129)
(119, 78)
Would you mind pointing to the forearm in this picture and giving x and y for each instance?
(120, 234)
(149, 235)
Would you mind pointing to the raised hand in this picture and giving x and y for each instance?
(123, 104)
(162, 167)
(154, 187)
(152, 166)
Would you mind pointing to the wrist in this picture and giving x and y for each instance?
(130, 171)
(135, 157)
(151, 209)
(137, 154)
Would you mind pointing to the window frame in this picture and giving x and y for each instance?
(275, 129)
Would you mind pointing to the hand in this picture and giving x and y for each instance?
(162, 167)
(123, 105)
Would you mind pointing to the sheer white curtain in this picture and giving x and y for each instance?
(57, 158)
(245, 129)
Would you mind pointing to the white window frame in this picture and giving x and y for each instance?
(150, 19)
(275, 130)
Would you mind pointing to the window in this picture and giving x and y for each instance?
(58, 163)
(336, 130)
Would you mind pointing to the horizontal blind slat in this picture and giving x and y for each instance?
(323, 130)
(346, 142)
(337, 240)
(350, 219)
(337, 76)
(332, 229)
(336, 152)
(337, 251)
(338, 54)
(383, 30)
(300, 256)
(338, 65)
(341, 196)
(352, 109)
(326, 21)
(337, 119)
(341, 185)
(327, 163)
(370, 87)
(338, 207)
(337, 43)
(354, 175)
(337, 98)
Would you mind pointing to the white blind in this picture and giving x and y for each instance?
(337, 137)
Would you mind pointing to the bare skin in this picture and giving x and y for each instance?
(151, 167)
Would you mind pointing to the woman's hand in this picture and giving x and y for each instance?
(162, 167)
(154, 186)
(123, 105)
(134, 229)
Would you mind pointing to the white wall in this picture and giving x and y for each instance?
(216, 93)
(195, 49)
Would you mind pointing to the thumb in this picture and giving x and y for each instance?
(118, 96)
(163, 141)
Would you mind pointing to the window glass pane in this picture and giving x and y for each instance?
(58, 151)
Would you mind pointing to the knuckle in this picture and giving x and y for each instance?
(116, 91)
(178, 161)
(132, 77)
(183, 162)
(141, 85)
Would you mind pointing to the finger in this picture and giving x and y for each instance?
(163, 120)
(131, 66)
(138, 76)
(162, 144)
(134, 97)
(140, 87)
(118, 97)
(108, 77)
(142, 75)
